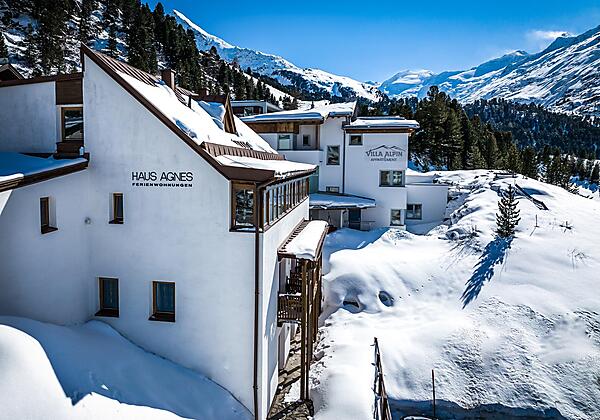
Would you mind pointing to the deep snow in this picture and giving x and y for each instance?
(511, 327)
(91, 372)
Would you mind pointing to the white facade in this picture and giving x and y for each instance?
(383, 146)
(173, 234)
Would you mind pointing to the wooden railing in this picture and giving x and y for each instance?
(289, 308)
(294, 282)
(382, 405)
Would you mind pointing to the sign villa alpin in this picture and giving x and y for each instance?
(384, 154)
(162, 179)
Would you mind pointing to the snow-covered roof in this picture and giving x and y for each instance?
(306, 242)
(375, 123)
(17, 167)
(319, 113)
(200, 121)
(280, 167)
(327, 201)
(207, 126)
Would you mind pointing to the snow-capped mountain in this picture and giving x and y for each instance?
(286, 73)
(564, 77)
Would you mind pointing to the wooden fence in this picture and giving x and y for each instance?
(382, 405)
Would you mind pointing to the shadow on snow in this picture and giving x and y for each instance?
(493, 254)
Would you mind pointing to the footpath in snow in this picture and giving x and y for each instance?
(512, 328)
(92, 372)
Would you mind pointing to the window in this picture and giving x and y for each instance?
(305, 140)
(117, 209)
(332, 189)
(163, 301)
(284, 142)
(396, 217)
(333, 155)
(109, 297)
(72, 124)
(414, 211)
(243, 206)
(280, 199)
(391, 178)
(356, 140)
(47, 222)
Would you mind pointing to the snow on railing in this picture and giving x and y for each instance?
(382, 405)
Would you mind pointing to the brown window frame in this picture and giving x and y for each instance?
(162, 316)
(62, 122)
(108, 312)
(332, 189)
(45, 224)
(237, 186)
(117, 220)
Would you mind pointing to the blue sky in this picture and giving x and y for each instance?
(372, 40)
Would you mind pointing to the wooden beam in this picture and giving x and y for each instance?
(303, 337)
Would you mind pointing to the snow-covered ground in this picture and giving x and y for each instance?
(92, 372)
(510, 328)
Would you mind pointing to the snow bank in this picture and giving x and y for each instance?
(92, 372)
(512, 328)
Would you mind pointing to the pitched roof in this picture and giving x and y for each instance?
(8, 72)
(18, 169)
(197, 123)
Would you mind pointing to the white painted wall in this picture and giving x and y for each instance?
(362, 175)
(433, 197)
(331, 134)
(172, 234)
(44, 276)
(29, 118)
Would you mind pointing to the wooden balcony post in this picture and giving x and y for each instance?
(303, 339)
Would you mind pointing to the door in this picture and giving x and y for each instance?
(354, 219)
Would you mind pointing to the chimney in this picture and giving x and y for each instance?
(168, 76)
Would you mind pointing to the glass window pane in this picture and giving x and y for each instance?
(73, 124)
(333, 155)
(284, 142)
(355, 140)
(397, 178)
(110, 293)
(384, 178)
(396, 217)
(244, 207)
(165, 297)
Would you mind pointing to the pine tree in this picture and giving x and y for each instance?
(3, 48)
(474, 158)
(529, 165)
(508, 217)
(595, 177)
(31, 55)
(87, 29)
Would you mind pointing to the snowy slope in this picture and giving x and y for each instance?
(92, 372)
(510, 328)
(279, 68)
(563, 77)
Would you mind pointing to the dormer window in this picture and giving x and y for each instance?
(72, 123)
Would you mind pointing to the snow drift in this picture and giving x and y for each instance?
(512, 328)
(92, 372)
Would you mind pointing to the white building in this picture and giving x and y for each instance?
(363, 179)
(127, 198)
(246, 107)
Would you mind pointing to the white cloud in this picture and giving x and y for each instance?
(541, 38)
(539, 35)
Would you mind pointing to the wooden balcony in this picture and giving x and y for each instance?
(289, 308)
(294, 282)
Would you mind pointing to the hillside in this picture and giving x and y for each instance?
(511, 328)
(313, 81)
(562, 77)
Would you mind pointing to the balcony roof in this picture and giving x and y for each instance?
(306, 242)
